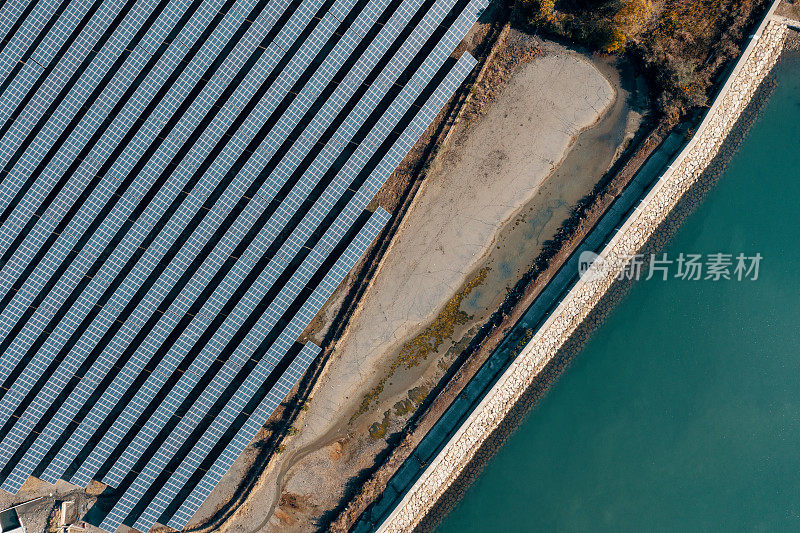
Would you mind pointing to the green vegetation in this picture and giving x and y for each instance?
(427, 342)
(415, 398)
(378, 429)
(681, 44)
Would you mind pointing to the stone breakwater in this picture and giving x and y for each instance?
(757, 60)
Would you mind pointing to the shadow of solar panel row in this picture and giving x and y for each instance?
(93, 118)
(152, 247)
(184, 186)
(90, 242)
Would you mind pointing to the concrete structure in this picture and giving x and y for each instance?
(9, 521)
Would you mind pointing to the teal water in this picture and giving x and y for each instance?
(683, 411)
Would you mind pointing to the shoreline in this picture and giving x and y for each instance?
(570, 313)
(616, 293)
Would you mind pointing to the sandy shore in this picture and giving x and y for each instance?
(459, 211)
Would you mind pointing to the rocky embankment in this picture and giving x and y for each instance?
(756, 62)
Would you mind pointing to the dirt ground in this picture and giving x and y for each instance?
(486, 191)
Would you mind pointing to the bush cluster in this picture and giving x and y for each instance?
(680, 44)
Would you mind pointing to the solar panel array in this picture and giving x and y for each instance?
(183, 184)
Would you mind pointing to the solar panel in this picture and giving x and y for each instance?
(30, 28)
(105, 190)
(270, 62)
(206, 56)
(218, 299)
(83, 132)
(235, 360)
(183, 187)
(146, 221)
(10, 13)
(20, 387)
(56, 80)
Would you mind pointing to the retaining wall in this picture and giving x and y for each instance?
(757, 60)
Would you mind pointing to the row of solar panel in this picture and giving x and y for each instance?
(62, 73)
(235, 277)
(58, 122)
(159, 461)
(148, 522)
(199, 452)
(243, 438)
(254, 380)
(138, 231)
(54, 337)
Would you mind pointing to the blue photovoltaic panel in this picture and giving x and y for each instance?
(287, 380)
(258, 418)
(123, 208)
(234, 278)
(31, 27)
(114, 262)
(206, 55)
(20, 387)
(346, 219)
(9, 14)
(35, 152)
(58, 78)
(201, 218)
(243, 438)
(145, 224)
(206, 58)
